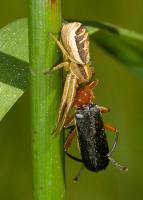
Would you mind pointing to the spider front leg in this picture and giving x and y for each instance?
(57, 67)
(69, 100)
(66, 101)
(65, 55)
(60, 45)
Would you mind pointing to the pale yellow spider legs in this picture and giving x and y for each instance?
(74, 76)
(67, 100)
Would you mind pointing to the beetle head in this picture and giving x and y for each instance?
(85, 94)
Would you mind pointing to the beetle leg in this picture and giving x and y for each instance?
(103, 109)
(120, 167)
(81, 169)
(78, 146)
(66, 126)
(68, 142)
(70, 138)
(114, 162)
(76, 178)
(110, 128)
(114, 130)
(69, 121)
(72, 157)
(115, 143)
(57, 67)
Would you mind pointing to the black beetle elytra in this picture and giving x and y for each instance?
(90, 131)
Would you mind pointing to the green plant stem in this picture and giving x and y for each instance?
(48, 172)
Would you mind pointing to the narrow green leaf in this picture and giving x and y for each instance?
(124, 45)
(14, 67)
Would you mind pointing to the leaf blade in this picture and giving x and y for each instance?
(124, 45)
(14, 67)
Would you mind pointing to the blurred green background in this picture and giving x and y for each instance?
(119, 88)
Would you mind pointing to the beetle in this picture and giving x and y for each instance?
(90, 131)
(74, 45)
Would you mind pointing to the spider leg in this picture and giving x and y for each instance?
(57, 67)
(93, 84)
(63, 100)
(65, 53)
(69, 100)
(89, 71)
(78, 71)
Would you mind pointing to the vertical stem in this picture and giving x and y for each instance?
(48, 173)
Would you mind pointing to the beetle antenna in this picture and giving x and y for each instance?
(115, 143)
(76, 178)
(120, 167)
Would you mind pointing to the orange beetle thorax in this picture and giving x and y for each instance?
(83, 97)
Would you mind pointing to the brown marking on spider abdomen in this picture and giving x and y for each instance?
(82, 43)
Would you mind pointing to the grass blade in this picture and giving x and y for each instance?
(14, 67)
(124, 45)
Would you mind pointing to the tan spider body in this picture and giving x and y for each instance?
(74, 45)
